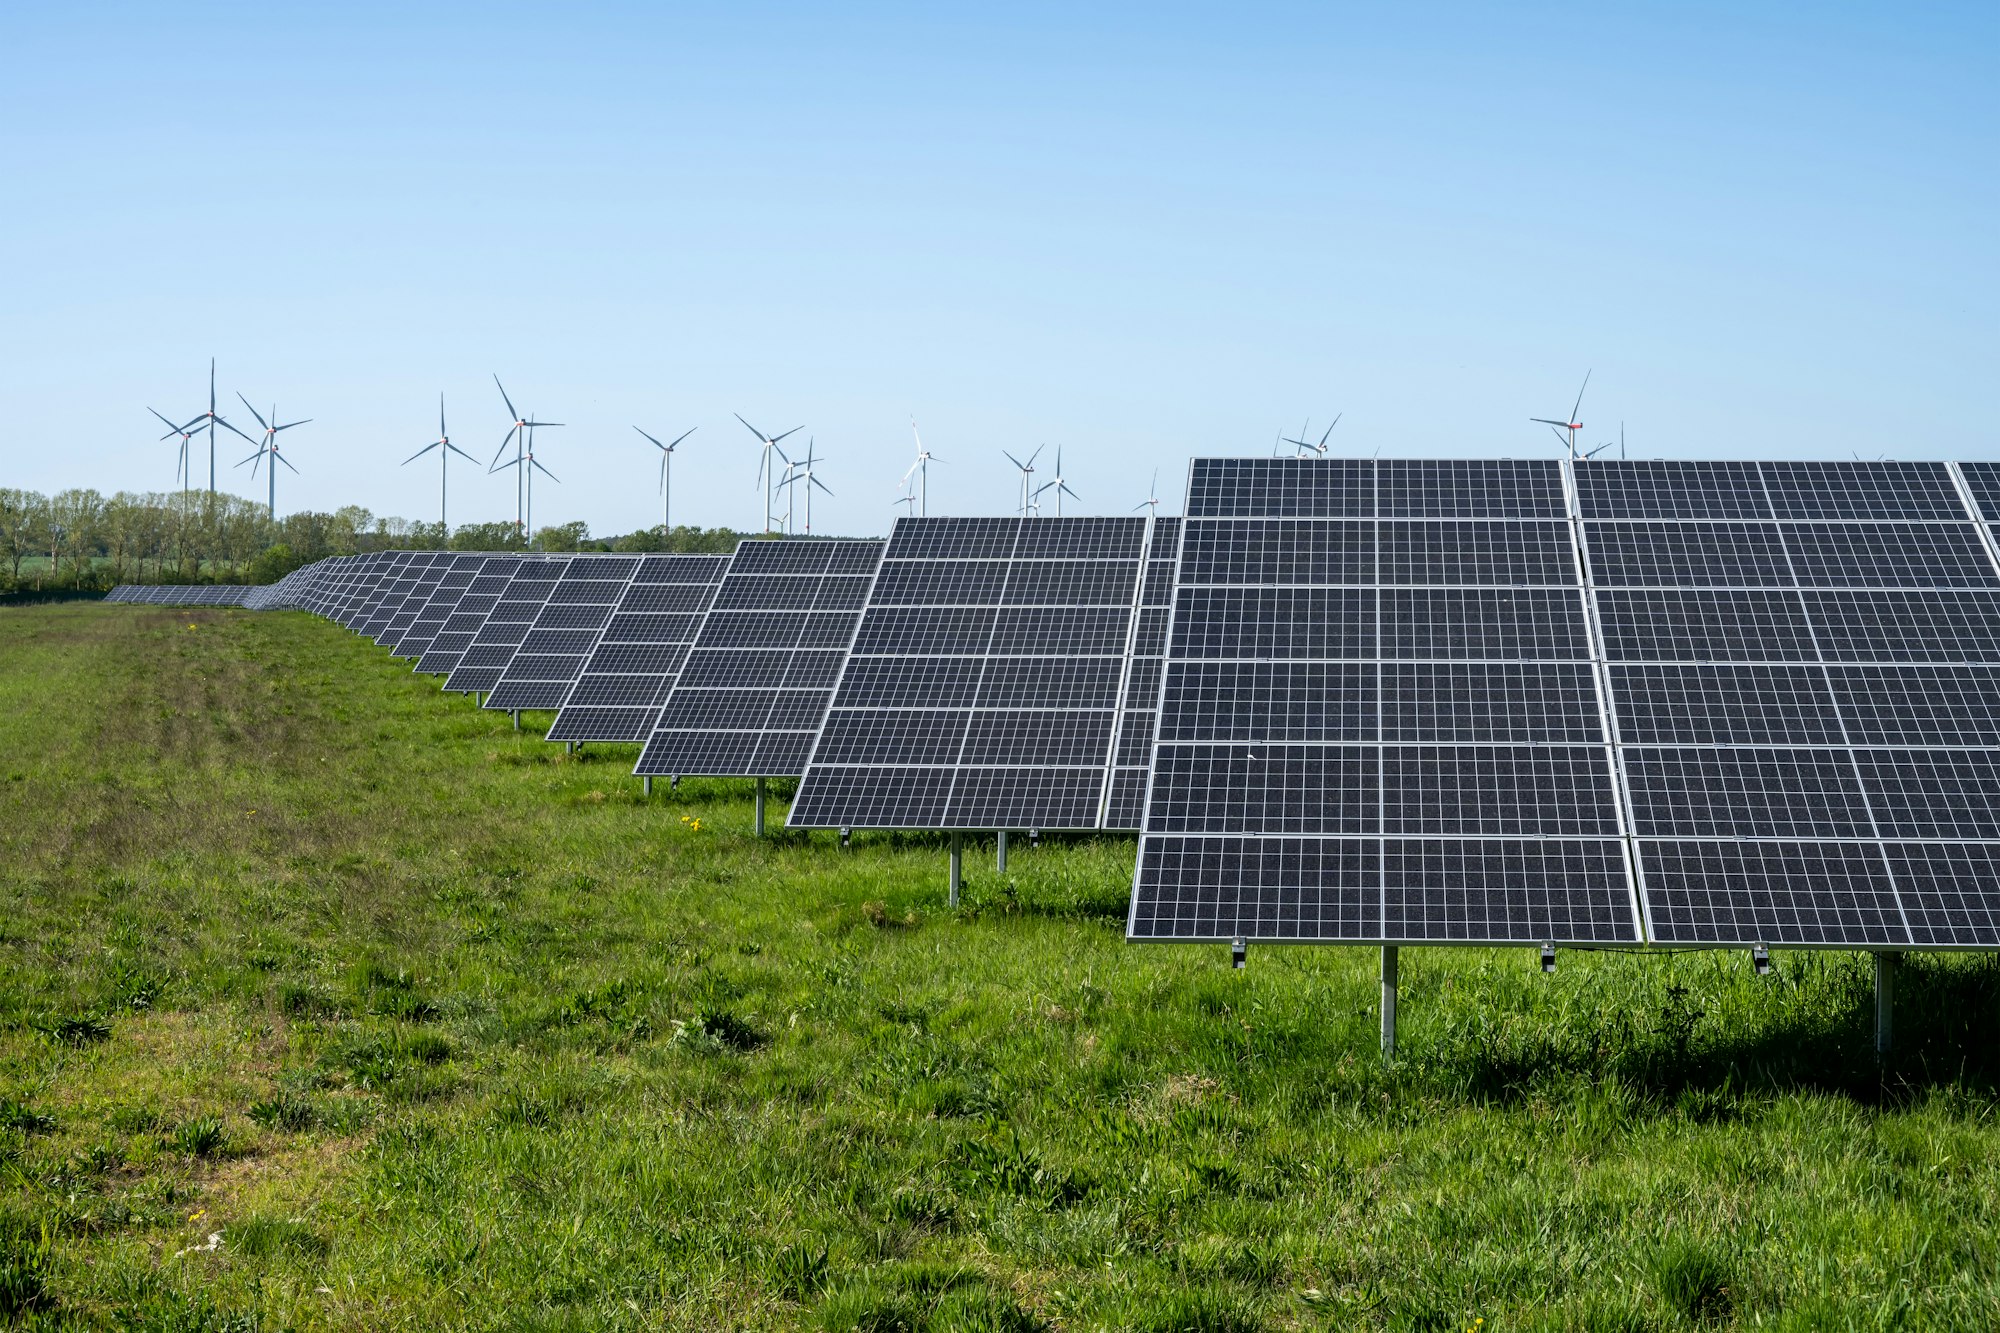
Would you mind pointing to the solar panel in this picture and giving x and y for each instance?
(189, 594)
(427, 617)
(983, 687)
(1379, 714)
(755, 685)
(420, 580)
(507, 623)
(565, 630)
(1810, 751)
(622, 684)
(468, 615)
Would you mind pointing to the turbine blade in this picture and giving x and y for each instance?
(682, 436)
(289, 424)
(545, 472)
(1015, 461)
(258, 454)
(415, 456)
(509, 439)
(1546, 422)
(663, 469)
(172, 429)
(512, 415)
(441, 429)
(460, 452)
(254, 412)
(648, 436)
(747, 426)
(793, 431)
(512, 462)
(1579, 397)
(286, 461)
(226, 426)
(817, 482)
(911, 472)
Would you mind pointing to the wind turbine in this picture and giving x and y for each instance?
(765, 475)
(667, 457)
(1058, 485)
(180, 469)
(922, 468)
(518, 437)
(270, 446)
(1571, 424)
(447, 449)
(210, 419)
(908, 498)
(1152, 499)
(525, 460)
(1027, 477)
(801, 474)
(1302, 444)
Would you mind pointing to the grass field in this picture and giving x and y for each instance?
(328, 1001)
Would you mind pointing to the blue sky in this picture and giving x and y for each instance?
(1142, 233)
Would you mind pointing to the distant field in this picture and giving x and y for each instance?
(328, 1001)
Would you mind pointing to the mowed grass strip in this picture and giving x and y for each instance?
(329, 1001)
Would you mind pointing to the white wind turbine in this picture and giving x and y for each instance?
(667, 458)
(1027, 477)
(445, 449)
(1058, 485)
(766, 474)
(922, 470)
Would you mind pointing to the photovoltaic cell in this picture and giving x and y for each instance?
(567, 627)
(507, 622)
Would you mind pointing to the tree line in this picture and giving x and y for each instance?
(81, 541)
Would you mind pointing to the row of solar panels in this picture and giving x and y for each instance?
(1396, 701)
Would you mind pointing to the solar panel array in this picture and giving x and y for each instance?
(507, 623)
(618, 694)
(749, 699)
(436, 607)
(982, 687)
(1803, 666)
(181, 594)
(553, 651)
(467, 615)
(419, 579)
(1379, 718)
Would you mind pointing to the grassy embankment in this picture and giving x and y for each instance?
(435, 1027)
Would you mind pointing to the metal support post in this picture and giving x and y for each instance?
(1388, 1000)
(1885, 1002)
(646, 785)
(517, 719)
(957, 864)
(760, 807)
(1000, 856)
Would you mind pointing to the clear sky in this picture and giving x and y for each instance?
(1139, 232)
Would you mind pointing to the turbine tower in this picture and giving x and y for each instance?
(922, 469)
(766, 476)
(446, 449)
(666, 458)
(270, 446)
(211, 420)
(1569, 424)
(1027, 477)
(517, 436)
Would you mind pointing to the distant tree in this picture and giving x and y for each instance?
(17, 519)
(562, 537)
(486, 537)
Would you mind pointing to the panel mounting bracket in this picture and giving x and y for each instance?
(1760, 960)
(1548, 958)
(1237, 948)
(844, 835)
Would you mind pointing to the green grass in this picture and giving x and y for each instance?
(435, 1026)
